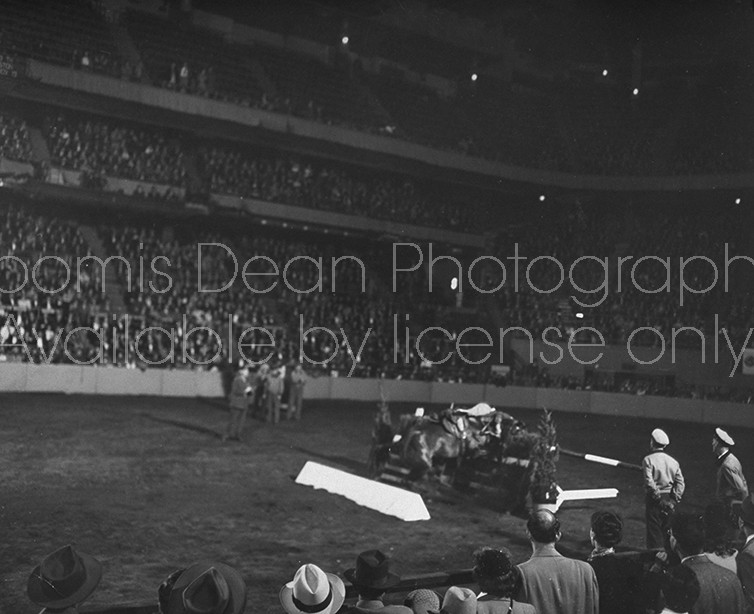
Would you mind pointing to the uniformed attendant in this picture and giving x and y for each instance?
(664, 486)
(731, 484)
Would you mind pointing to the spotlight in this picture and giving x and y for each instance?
(738, 201)
(454, 283)
(636, 91)
(344, 40)
(604, 73)
(580, 315)
(541, 198)
(474, 76)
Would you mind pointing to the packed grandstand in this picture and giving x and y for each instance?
(168, 182)
(529, 195)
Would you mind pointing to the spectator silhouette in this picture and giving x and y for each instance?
(65, 579)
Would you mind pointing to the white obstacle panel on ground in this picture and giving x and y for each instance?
(380, 497)
(584, 493)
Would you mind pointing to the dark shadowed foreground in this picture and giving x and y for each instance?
(146, 486)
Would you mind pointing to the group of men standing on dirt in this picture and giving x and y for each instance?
(263, 391)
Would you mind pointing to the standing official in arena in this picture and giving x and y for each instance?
(731, 484)
(664, 486)
(273, 395)
(296, 396)
(260, 390)
(240, 392)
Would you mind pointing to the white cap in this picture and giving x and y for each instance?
(660, 437)
(724, 437)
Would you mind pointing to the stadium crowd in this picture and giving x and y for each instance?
(315, 184)
(15, 143)
(104, 148)
(604, 130)
(622, 300)
(361, 301)
(36, 315)
(100, 147)
(697, 572)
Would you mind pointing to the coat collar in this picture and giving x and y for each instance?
(546, 550)
(722, 458)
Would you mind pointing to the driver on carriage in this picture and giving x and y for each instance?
(489, 420)
(490, 427)
(458, 421)
(479, 410)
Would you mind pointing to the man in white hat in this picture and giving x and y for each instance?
(664, 486)
(731, 484)
(458, 600)
(313, 590)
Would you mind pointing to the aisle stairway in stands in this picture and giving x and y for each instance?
(39, 150)
(127, 48)
(112, 286)
(257, 71)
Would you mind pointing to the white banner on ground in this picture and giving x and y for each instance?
(380, 497)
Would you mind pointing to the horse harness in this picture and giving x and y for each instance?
(453, 427)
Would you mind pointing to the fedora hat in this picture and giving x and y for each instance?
(313, 591)
(372, 571)
(208, 587)
(458, 600)
(64, 578)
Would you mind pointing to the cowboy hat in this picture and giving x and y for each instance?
(372, 571)
(313, 591)
(64, 578)
(208, 587)
(458, 600)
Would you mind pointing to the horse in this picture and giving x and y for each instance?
(429, 447)
(500, 434)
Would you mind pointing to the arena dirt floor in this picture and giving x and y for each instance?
(147, 486)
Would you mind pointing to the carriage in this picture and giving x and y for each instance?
(479, 450)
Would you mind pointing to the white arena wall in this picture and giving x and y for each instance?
(72, 379)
